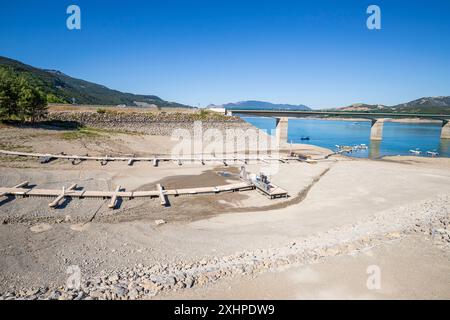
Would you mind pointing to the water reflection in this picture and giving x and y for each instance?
(374, 149)
(444, 147)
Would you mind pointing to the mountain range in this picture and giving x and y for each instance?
(62, 88)
(260, 105)
(435, 105)
(423, 105)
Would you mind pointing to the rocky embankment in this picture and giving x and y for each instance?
(152, 123)
(429, 218)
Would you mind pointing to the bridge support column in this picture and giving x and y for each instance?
(445, 130)
(282, 130)
(376, 131)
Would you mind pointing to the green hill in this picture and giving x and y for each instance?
(62, 88)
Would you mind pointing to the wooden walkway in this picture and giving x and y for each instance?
(46, 157)
(23, 190)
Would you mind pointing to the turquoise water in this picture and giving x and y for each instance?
(398, 138)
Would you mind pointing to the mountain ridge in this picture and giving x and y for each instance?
(261, 105)
(439, 104)
(62, 88)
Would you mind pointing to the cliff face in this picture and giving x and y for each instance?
(162, 124)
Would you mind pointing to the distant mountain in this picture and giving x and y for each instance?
(422, 105)
(427, 104)
(261, 105)
(363, 107)
(60, 87)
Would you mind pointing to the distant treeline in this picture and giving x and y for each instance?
(19, 98)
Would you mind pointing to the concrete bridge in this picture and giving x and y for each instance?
(377, 118)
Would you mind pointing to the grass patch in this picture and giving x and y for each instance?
(15, 147)
(88, 132)
(80, 133)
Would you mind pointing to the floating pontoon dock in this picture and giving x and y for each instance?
(272, 191)
(23, 190)
(46, 157)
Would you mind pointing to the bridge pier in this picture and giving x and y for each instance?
(281, 132)
(445, 130)
(376, 130)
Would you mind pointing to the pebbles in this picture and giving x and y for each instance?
(113, 278)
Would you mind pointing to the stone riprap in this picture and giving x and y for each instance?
(152, 123)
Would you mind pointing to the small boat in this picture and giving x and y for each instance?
(304, 138)
(346, 149)
(432, 153)
(358, 147)
(416, 152)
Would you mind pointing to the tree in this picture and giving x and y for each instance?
(31, 103)
(8, 93)
(19, 97)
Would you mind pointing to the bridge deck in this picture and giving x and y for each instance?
(369, 115)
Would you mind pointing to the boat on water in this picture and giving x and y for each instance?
(433, 153)
(415, 152)
(349, 149)
(304, 138)
(361, 146)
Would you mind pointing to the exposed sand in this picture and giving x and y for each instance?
(37, 243)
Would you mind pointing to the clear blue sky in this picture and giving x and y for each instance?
(317, 53)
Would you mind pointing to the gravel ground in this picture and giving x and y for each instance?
(429, 217)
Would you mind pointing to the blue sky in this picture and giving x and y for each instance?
(318, 53)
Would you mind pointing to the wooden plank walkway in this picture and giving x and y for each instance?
(61, 196)
(154, 159)
(162, 195)
(72, 192)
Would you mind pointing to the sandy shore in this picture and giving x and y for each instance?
(342, 215)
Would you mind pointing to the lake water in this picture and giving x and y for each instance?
(398, 138)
